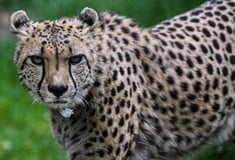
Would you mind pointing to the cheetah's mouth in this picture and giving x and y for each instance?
(58, 102)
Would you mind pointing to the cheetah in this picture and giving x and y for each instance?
(116, 91)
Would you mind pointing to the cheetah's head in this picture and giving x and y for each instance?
(55, 59)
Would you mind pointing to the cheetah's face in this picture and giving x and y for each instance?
(51, 59)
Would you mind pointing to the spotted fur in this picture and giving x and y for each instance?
(135, 93)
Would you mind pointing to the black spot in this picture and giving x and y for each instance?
(200, 122)
(232, 59)
(118, 151)
(222, 37)
(191, 47)
(184, 86)
(74, 155)
(208, 14)
(180, 36)
(134, 68)
(135, 36)
(225, 18)
(185, 121)
(172, 54)
(206, 32)
(229, 101)
(196, 12)
(122, 103)
(125, 30)
(121, 70)
(228, 48)
(199, 73)
(212, 118)
(117, 109)
(215, 44)
(178, 138)
(128, 58)
(215, 83)
(120, 87)
(139, 98)
(105, 133)
(179, 45)
(145, 66)
(129, 70)
(120, 56)
(194, 37)
(103, 118)
(160, 86)
(179, 71)
(125, 41)
(173, 94)
(109, 149)
(133, 109)
(197, 86)
(182, 104)
(190, 75)
(209, 68)
(93, 139)
(199, 59)
(225, 90)
(229, 30)
(195, 20)
(101, 140)
(115, 74)
(88, 145)
(211, 23)
(225, 71)
(204, 49)
(218, 58)
(101, 152)
(194, 108)
(134, 86)
(232, 4)
(110, 100)
(110, 122)
(191, 97)
(206, 98)
(113, 92)
(118, 20)
(146, 50)
(170, 80)
(121, 138)
(111, 27)
(97, 84)
(190, 62)
(221, 26)
(183, 18)
(121, 122)
(189, 28)
(178, 25)
(215, 107)
(163, 110)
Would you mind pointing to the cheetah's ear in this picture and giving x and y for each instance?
(20, 23)
(89, 16)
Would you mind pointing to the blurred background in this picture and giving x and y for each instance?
(25, 132)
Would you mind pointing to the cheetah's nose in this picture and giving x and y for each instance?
(57, 90)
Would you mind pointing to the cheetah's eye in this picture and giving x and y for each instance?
(36, 60)
(75, 59)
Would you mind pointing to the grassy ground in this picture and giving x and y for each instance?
(24, 127)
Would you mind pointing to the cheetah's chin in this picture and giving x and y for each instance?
(66, 112)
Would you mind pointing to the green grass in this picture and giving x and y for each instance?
(25, 132)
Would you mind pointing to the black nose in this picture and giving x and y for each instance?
(57, 90)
